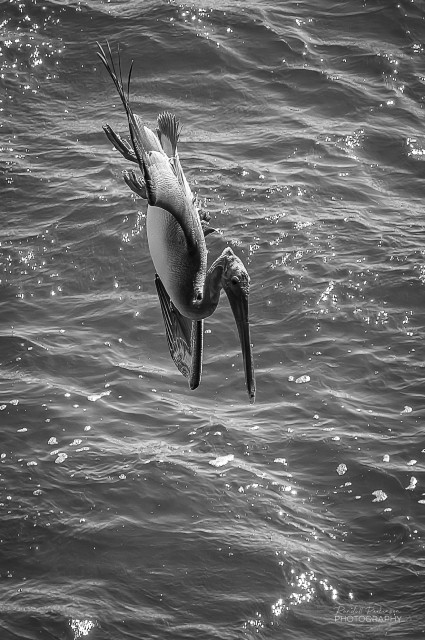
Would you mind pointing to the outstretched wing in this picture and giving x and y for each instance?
(184, 337)
(164, 188)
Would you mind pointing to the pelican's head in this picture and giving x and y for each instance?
(235, 282)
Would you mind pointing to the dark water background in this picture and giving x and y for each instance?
(131, 507)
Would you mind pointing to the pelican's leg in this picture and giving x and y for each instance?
(121, 145)
(136, 183)
(204, 215)
(206, 229)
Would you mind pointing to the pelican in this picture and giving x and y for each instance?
(188, 291)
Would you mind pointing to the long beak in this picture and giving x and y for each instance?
(239, 305)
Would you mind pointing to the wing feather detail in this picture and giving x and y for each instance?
(184, 338)
(165, 187)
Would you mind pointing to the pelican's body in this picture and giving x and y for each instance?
(168, 251)
(176, 230)
(167, 246)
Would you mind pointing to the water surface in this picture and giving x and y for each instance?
(131, 507)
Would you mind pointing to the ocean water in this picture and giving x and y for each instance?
(131, 507)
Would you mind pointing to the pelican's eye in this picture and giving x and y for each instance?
(234, 280)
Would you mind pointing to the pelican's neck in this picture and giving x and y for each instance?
(212, 288)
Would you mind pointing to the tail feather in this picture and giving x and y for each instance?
(169, 130)
(168, 133)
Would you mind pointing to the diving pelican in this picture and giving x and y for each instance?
(188, 292)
